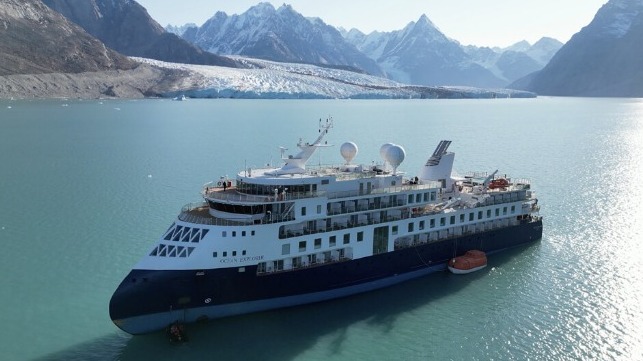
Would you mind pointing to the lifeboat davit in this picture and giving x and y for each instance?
(471, 261)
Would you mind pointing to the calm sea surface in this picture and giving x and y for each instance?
(86, 187)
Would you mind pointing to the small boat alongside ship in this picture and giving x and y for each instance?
(293, 234)
(471, 261)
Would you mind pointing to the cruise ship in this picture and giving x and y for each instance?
(296, 233)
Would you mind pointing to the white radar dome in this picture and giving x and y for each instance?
(383, 149)
(348, 150)
(395, 156)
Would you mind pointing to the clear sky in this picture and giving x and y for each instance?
(471, 22)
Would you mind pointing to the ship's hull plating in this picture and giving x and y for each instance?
(147, 301)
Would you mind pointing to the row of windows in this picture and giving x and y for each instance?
(185, 234)
(225, 254)
(317, 243)
(163, 250)
(305, 260)
(452, 219)
(234, 233)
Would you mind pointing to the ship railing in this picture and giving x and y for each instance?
(233, 196)
(199, 213)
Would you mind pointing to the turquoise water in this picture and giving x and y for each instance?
(86, 187)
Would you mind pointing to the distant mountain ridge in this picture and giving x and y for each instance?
(418, 54)
(280, 35)
(517, 60)
(421, 54)
(125, 26)
(604, 59)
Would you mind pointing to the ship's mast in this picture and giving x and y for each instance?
(296, 164)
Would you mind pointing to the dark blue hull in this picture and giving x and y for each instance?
(151, 300)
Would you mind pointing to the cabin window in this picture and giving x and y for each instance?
(252, 233)
(471, 216)
(324, 181)
(432, 223)
(347, 238)
(214, 254)
(452, 220)
(513, 209)
(426, 197)
(394, 230)
(302, 246)
(497, 212)
(393, 183)
(488, 213)
(234, 233)
(410, 198)
(462, 218)
(303, 211)
(224, 234)
(225, 254)
(332, 241)
(319, 209)
(317, 243)
(234, 253)
(243, 253)
(443, 221)
(504, 211)
(421, 225)
(432, 196)
(261, 267)
(410, 227)
(479, 214)
(279, 265)
(243, 233)
(360, 236)
(285, 248)
(418, 198)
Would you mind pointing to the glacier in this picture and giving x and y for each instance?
(264, 79)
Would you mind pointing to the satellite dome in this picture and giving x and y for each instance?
(348, 151)
(383, 149)
(395, 156)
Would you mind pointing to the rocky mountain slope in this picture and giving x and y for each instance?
(35, 39)
(125, 26)
(604, 59)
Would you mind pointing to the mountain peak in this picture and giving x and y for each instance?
(424, 20)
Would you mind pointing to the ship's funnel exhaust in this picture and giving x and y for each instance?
(439, 166)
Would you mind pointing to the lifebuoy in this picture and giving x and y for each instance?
(219, 183)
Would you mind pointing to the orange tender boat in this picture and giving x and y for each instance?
(471, 261)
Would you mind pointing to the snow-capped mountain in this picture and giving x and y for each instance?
(179, 29)
(421, 54)
(604, 59)
(516, 61)
(278, 34)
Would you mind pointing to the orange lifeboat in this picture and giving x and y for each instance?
(471, 261)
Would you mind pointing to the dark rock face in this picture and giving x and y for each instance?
(604, 59)
(35, 39)
(125, 26)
